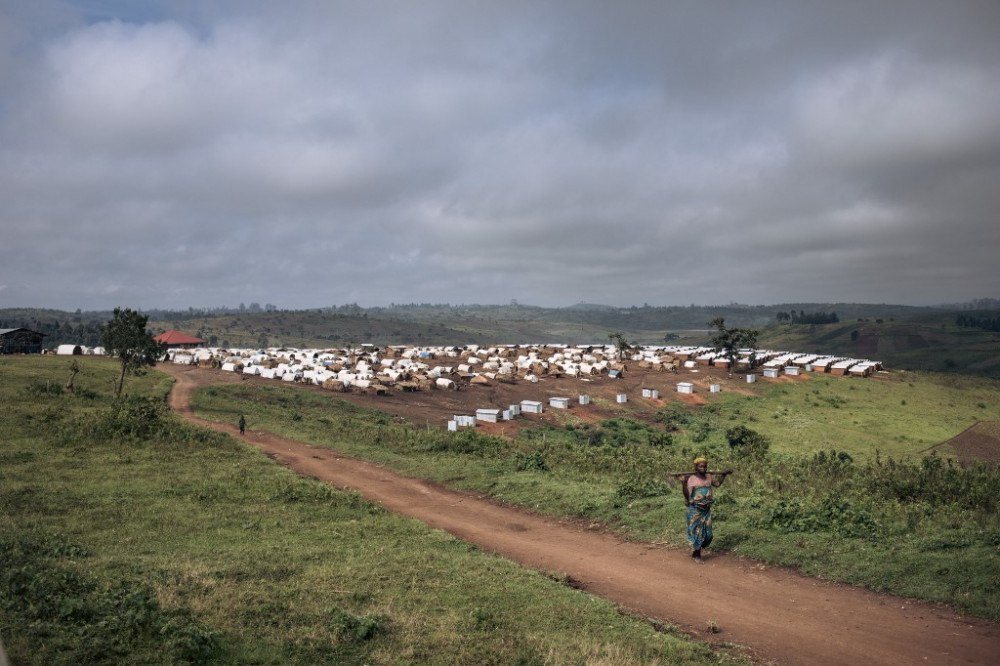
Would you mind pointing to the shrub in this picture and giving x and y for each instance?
(533, 461)
(635, 488)
(354, 628)
(133, 416)
(465, 441)
(673, 416)
(42, 389)
(747, 442)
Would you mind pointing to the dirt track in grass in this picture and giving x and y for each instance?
(776, 613)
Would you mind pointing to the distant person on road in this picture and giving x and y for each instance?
(243, 424)
(698, 500)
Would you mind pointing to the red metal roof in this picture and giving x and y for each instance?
(178, 338)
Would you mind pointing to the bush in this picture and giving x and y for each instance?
(531, 462)
(354, 628)
(747, 442)
(465, 441)
(133, 416)
(43, 389)
(635, 488)
(673, 416)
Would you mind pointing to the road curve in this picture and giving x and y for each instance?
(778, 614)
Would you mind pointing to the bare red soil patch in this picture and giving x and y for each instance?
(979, 443)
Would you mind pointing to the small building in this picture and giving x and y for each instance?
(792, 370)
(650, 393)
(771, 373)
(621, 398)
(841, 367)
(452, 425)
(531, 407)
(751, 379)
(559, 403)
(862, 369)
(488, 415)
(506, 415)
(465, 421)
(69, 350)
(515, 410)
(20, 341)
(584, 399)
(685, 387)
(178, 340)
(714, 388)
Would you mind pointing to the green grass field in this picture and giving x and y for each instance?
(821, 499)
(899, 414)
(127, 536)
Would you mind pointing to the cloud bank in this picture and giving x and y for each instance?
(318, 153)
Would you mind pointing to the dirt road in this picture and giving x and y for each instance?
(778, 614)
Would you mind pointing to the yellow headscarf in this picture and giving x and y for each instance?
(699, 460)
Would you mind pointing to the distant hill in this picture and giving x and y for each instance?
(929, 342)
(902, 336)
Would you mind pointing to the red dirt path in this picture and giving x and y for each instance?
(778, 614)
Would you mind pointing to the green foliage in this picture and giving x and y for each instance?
(75, 618)
(43, 388)
(125, 337)
(355, 627)
(673, 416)
(729, 341)
(636, 488)
(747, 442)
(621, 343)
(468, 442)
(533, 461)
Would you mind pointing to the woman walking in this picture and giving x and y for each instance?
(698, 500)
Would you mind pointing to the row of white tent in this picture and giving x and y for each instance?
(361, 367)
(837, 365)
(79, 350)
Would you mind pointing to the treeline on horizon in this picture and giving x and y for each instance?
(987, 321)
(803, 317)
(83, 327)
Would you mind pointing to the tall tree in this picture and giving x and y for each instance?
(125, 337)
(621, 343)
(730, 341)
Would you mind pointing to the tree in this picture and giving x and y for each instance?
(74, 370)
(125, 337)
(729, 341)
(621, 344)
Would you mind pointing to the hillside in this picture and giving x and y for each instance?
(931, 342)
(901, 336)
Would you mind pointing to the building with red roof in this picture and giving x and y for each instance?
(178, 340)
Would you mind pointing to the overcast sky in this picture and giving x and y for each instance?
(195, 153)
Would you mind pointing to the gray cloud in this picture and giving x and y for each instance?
(198, 154)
